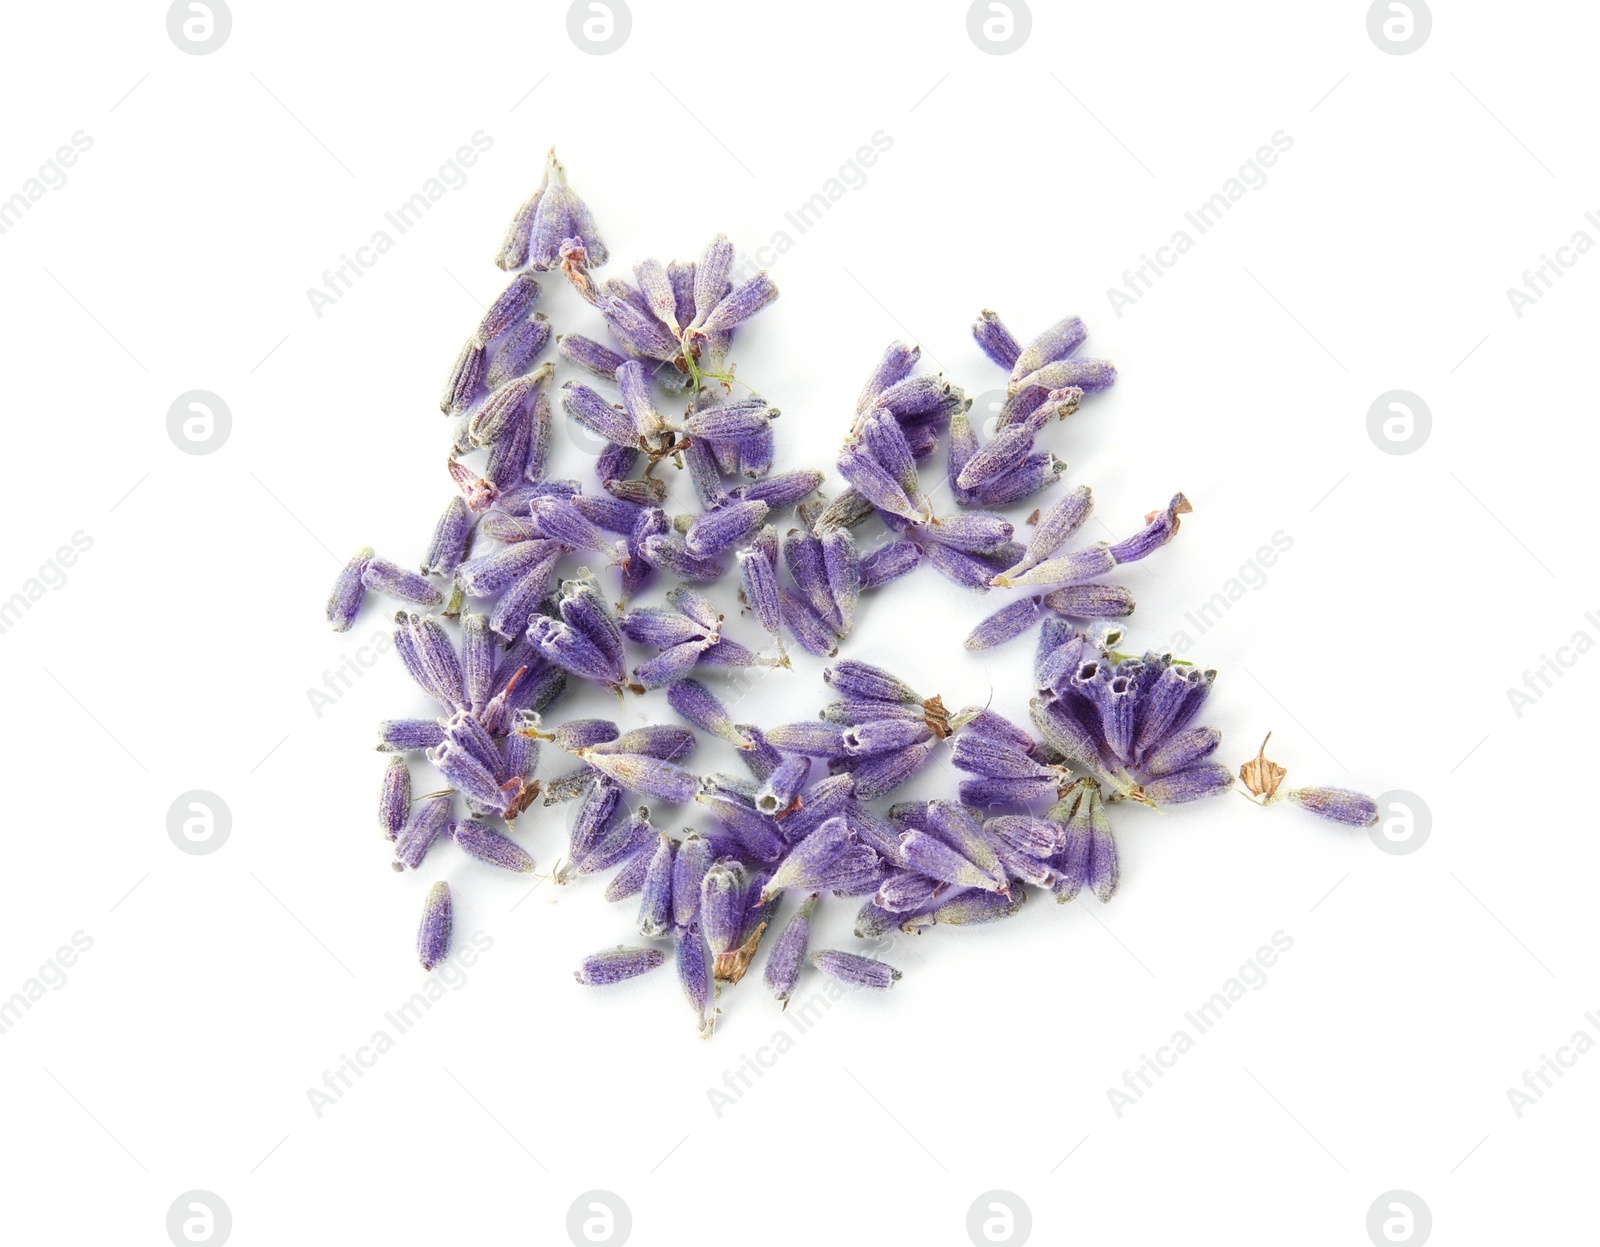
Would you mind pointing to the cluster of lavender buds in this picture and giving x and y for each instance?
(536, 584)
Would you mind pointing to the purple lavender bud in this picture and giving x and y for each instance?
(807, 862)
(895, 366)
(1056, 525)
(1036, 837)
(638, 330)
(477, 660)
(694, 972)
(963, 446)
(889, 562)
(509, 307)
(1091, 601)
(433, 935)
(488, 845)
(681, 277)
(629, 881)
(711, 283)
(438, 657)
(628, 839)
(1038, 471)
(784, 489)
(465, 379)
(813, 738)
(576, 734)
(1203, 779)
(961, 830)
(726, 422)
(593, 823)
(468, 774)
(788, 955)
(660, 740)
(853, 679)
(345, 600)
(658, 292)
(995, 759)
(1162, 703)
(668, 551)
(614, 515)
(882, 773)
(715, 531)
(885, 442)
(1089, 375)
(560, 521)
(875, 484)
(583, 227)
(850, 712)
(1009, 621)
(755, 454)
(463, 731)
(1181, 751)
(516, 354)
(408, 735)
(761, 592)
(855, 970)
(973, 908)
(389, 578)
(970, 571)
(597, 415)
(513, 253)
(874, 832)
(394, 797)
(1337, 805)
(1117, 701)
(848, 510)
(738, 305)
(883, 736)
(824, 800)
(637, 400)
(858, 871)
(689, 866)
(552, 219)
(754, 831)
(450, 538)
(873, 921)
(779, 790)
(428, 818)
(759, 757)
(615, 965)
(655, 901)
(660, 628)
(589, 355)
(1055, 343)
(517, 604)
(842, 563)
(1160, 527)
(977, 532)
(995, 339)
(583, 604)
(489, 575)
(569, 649)
(1012, 443)
(1070, 738)
(806, 626)
(723, 900)
(642, 773)
(993, 794)
(1064, 569)
(914, 396)
(507, 407)
(908, 891)
(802, 554)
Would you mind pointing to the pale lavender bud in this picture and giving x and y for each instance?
(738, 305)
(761, 592)
(477, 660)
(885, 441)
(345, 600)
(437, 656)
(1337, 805)
(615, 965)
(813, 738)
(1181, 751)
(909, 891)
(1089, 375)
(1068, 736)
(638, 329)
(1056, 524)
(658, 293)
(848, 510)
(1077, 565)
(427, 821)
(842, 562)
(784, 489)
(970, 571)
(589, 355)
(1203, 779)
(513, 253)
(394, 797)
(977, 532)
(433, 935)
(855, 970)
(788, 955)
(916, 396)
(711, 282)
(626, 840)
(569, 649)
(806, 626)
(694, 973)
(1160, 528)
(516, 354)
(960, 829)
(1091, 601)
(488, 845)
(655, 901)
(996, 759)
(466, 378)
(680, 274)
(1036, 837)
(807, 863)
(408, 735)
(1055, 343)
(1162, 703)
(802, 554)
(973, 908)
(889, 562)
(730, 421)
(882, 773)
(689, 866)
(995, 339)
(992, 794)
(642, 773)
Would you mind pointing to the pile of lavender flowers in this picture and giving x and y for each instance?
(520, 616)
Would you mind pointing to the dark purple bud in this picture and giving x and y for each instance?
(889, 562)
(788, 954)
(995, 339)
(1160, 527)
(809, 859)
(428, 818)
(603, 969)
(597, 415)
(394, 797)
(715, 531)
(689, 866)
(408, 735)
(694, 972)
(855, 970)
(433, 935)
(345, 600)
(806, 626)
(488, 845)
(1203, 779)
(465, 379)
(589, 355)
(513, 357)
(655, 901)
(1337, 805)
(883, 773)
(853, 679)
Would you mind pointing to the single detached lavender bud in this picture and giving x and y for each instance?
(489, 575)
(345, 600)
(1055, 343)
(1337, 805)
(875, 483)
(889, 562)
(433, 936)
(1078, 565)
(848, 510)
(719, 530)
(390, 578)
(614, 965)
(1203, 779)
(629, 881)
(1091, 601)
(645, 774)
(394, 797)
(465, 379)
(516, 354)
(589, 355)
(1160, 527)
(694, 973)
(855, 970)
(408, 735)
(788, 955)
(972, 908)
(810, 858)
(895, 366)
(959, 828)
(738, 305)
(813, 738)
(1011, 620)
(700, 706)
(689, 868)
(488, 845)
(995, 339)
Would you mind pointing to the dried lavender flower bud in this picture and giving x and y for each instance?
(569, 649)
(433, 935)
(1203, 779)
(427, 821)
(1181, 751)
(1077, 565)
(466, 378)
(723, 900)
(489, 575)
(345, 601)
(1010, 621)
(509, 307)
(781, 489)
(841, 561)
(694, 972)
(929, 856)
(451, 536)
(645, 774)
(855, 970)
(848, 510)
(1035, 837)
(389, 578)
(629, 881)
(517, 604)
(960, 828)
(661, 740)
(589, 355)
(814, 738)
(1089, 375)
(1055, 343)
(995, 339)
(597, 415)
(730, 421)
(810, 858)
(613, 966)
(738, 305)
(1091, 601)
(655, 901)
(689, 867)
(700, 706)
(668, 551)
(806, 626)
(1337, 805)
(780, 788)
(394, 797)
(637, 329)
(875, 483)
(1160, 527)
(889, 562)
(788, 955)
(516, 354)
(972, 908)
(853, 679)
(408, 735)
(488, 845)
(759, 577)
(513, 253)
(864, 740)
(715, 531)
(895, 366)
(1038, 471)
(1162, 703)
(658, 293)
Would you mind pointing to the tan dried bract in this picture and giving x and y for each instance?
(1261, 775)
(730, 966)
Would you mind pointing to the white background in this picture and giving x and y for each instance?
(180, 650)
